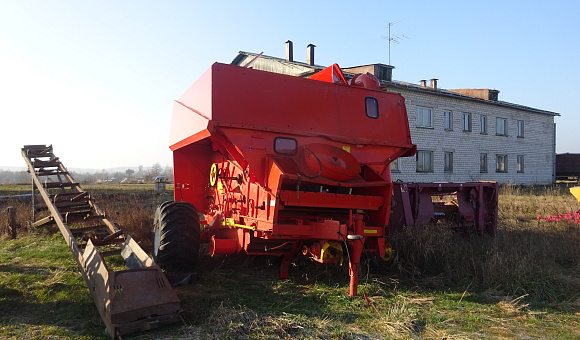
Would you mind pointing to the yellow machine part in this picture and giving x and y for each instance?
(331, 250)
(230, 222)
(388, 251)
(213, 172)
(576, 192)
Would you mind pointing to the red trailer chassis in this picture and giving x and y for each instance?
(465, 206)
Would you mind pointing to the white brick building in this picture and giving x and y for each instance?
(463, 138)
(461, 135)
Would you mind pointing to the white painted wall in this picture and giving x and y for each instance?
(536, 146)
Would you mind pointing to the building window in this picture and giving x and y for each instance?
(520, 128)
(501, 163)
(448, 161)
(424, 117)
(483, 162)
(466, 122)
(483, 124)
(448, 120)
(424, 161)
(395, 165)
(372, 107)
(501, 126)
(520, 163)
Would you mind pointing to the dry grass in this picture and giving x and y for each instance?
(133, 212)
(525, 282)
(23, 216)
(526, 257)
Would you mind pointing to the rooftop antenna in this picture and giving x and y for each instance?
(392, 38)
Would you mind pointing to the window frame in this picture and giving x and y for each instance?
(395, 166)
(483, 124)
(286, 153)
(520, 164)
(376, 105)
(483, 167)
(448, 161)
(520, 125)
(421, 154)
(497, 125)
(422, 124)
(467, 122)
(504, 161)
(448, 120)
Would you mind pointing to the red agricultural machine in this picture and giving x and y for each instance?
(271, 164)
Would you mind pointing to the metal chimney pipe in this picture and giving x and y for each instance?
(289, 51)
(434, 83)
(310, 54)
(423, 83)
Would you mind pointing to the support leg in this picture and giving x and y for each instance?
(287, 259)
(356, 248)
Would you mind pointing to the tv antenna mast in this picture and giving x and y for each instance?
(392, 38)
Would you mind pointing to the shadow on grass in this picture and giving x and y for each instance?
(254, 282)
(541, 265)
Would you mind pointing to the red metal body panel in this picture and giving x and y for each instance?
(275, 161)
(231, 96)
(327, 200)
(331, 74)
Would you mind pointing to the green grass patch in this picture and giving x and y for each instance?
(42, 293)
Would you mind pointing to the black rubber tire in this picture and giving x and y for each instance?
(176, 237)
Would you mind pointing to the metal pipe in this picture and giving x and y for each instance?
(310, 54)
(219, 246)
(289, 51)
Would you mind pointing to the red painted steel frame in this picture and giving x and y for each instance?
(474, 207)
(275, 162)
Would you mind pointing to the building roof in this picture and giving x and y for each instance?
(303, 70)
(443, 92)
(298, 68)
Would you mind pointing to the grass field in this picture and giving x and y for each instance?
(524, 283)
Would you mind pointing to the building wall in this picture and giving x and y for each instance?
(536, 147)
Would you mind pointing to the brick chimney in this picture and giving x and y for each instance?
(433, 84)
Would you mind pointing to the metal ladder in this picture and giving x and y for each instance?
(139, 298)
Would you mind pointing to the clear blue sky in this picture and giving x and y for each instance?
(97, 78)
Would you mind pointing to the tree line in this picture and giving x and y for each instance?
(139, 175)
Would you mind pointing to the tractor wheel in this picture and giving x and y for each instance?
(176, 237)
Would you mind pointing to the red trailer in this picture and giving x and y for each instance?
(271, 164)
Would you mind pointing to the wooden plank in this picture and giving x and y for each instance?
(83, 230)
(43, 221)
(58, 185)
